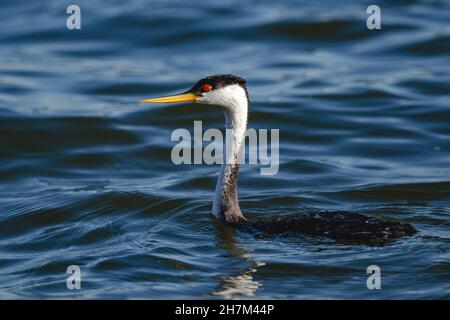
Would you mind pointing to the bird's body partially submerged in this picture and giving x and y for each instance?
(230, 93)
(337, 225)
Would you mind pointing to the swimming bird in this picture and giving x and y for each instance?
(230, 93)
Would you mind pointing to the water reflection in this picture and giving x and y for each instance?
(238, 285)
(241, 284)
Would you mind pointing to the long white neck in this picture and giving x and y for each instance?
(226, 204)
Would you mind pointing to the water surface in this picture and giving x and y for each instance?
(85, 171)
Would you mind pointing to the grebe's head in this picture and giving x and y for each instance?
(223, 90)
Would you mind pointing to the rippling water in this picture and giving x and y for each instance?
(86, 176)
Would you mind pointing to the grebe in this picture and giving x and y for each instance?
(230, 93)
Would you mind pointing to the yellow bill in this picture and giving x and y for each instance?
(184, 97)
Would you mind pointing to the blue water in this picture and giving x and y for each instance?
(85, 171)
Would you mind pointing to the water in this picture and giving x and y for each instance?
(85, 171)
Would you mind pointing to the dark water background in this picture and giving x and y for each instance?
(86, 176)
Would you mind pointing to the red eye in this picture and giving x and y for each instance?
(206, 88)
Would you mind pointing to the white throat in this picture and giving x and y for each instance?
(235, 102)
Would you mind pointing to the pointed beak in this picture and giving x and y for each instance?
(184, 97)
